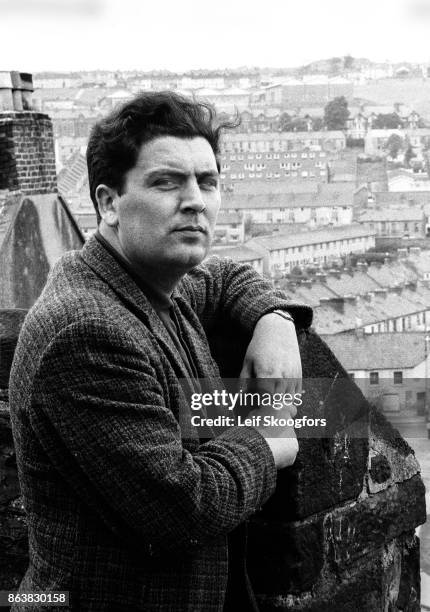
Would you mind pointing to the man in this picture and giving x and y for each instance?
(123, 511)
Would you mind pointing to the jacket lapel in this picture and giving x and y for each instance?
(113, 274)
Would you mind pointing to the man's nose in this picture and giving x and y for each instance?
(192, 198)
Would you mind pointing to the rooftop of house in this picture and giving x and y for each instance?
(226, 217)
(386, 351)
(333, 194)
(406, 198)
(237, 253)
(287, 240)
(392, 214)
(268, 136)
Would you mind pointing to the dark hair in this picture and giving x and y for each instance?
(115, 140)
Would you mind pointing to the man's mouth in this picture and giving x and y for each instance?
(190, 228)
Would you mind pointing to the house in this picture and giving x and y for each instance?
(277, 142)
(391, 369)
(241, 254)
(230, 227)
(404, 180)
(325, 204)
(407, 222)
(283, 252)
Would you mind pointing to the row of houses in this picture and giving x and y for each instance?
(278, 254)
(391, 369)
(380, 298)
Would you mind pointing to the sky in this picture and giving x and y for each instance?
(179, 35)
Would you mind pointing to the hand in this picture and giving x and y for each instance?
(281, 439)
(273, 353)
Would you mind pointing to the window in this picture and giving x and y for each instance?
(374, 378)
(398, 378)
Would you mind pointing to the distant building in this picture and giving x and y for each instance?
(242, 254)
(398, 222)
(277, 142)
(405, 180)
(230, 227)
(286, 251)
(391, 369)
(310, 90)
(323, 205)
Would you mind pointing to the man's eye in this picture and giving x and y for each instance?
(209, 183)
(165, 183)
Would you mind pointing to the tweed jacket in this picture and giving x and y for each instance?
(123, 512)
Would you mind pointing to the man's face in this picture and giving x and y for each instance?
(167, 212)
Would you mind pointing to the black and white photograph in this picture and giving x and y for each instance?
(214, 306)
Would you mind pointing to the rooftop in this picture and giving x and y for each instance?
(392, 214)
(283, 241)
(390, 351)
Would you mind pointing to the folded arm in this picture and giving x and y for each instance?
(101, 417)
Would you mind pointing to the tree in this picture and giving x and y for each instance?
(285, 123)
(394, 145)
(336, 113)
(387, 121)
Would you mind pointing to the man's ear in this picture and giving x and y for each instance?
(107, 202)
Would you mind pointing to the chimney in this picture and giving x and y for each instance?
(27, 156)
(338, 303)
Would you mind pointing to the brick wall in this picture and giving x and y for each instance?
(27, 157)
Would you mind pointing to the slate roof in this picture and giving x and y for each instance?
(237, 253)
(337, 194)
(392, 274)
(282, 241)
(389, 351)
(392, 214)
(407, 198)
(280, 186)
(266, 136)
(358, 284)
(335, 319)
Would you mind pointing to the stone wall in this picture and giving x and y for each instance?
(339, 533)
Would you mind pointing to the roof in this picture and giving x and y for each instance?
(334, 194)
(402, 197)
(283, 241)
(238, 253)
(281, 186)
(392, 214)
(386, 351)
(337, 317)
(255, 136)
(226, 217)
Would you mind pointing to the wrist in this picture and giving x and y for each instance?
(285, 315)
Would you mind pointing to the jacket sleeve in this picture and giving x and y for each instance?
(99, 414)
(224, 287)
